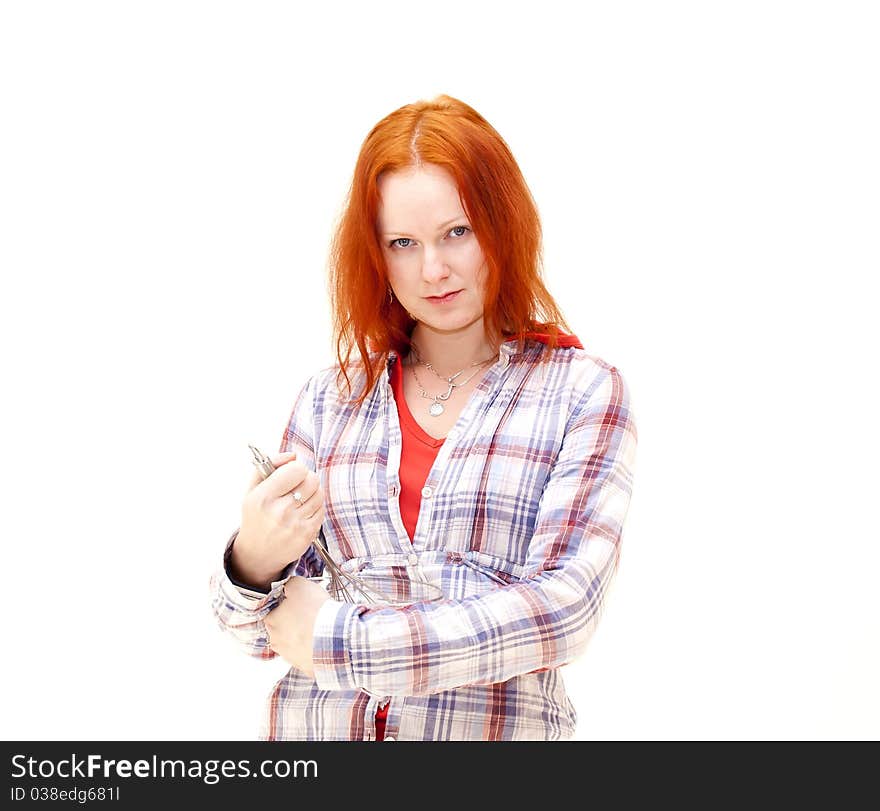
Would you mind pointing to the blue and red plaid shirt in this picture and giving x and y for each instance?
(520, 524)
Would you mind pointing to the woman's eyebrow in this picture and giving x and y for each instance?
(439, 227)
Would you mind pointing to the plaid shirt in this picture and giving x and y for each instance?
(520, 524)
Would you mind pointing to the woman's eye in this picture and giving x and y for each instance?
(397, 243)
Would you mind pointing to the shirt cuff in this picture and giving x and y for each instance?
(332, 638)
(247, 598)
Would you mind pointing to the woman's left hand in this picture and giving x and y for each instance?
(291, 623)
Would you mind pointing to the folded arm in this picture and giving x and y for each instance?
(542, 621)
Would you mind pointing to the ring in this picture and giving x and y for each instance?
(297, 497)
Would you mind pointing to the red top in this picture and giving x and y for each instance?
(417, 457)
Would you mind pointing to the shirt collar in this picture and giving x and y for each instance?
(505, 353)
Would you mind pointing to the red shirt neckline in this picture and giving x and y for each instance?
(407, 419)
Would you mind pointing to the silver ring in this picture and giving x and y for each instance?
(297, 497)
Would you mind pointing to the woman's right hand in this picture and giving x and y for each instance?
(276, 529)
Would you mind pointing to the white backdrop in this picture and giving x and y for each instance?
(707, 176)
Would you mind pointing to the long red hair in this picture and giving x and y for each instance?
(500, 208)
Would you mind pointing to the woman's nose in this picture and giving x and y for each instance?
(433, 266)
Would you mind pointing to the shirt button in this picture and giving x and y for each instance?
(413, 559)
(392, 490)
(427, 492)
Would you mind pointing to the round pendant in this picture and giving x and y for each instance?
(436, 409)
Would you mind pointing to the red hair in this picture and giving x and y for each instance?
(450, 134)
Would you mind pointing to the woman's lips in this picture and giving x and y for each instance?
(447, 298)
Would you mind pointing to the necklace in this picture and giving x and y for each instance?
(436, 408)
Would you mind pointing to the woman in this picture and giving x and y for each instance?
(471, 445)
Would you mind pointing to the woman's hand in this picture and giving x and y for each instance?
(291, 623)
(275, 527)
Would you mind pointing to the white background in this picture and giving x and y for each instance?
(707, 176)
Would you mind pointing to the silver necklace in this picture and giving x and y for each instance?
(436, 408)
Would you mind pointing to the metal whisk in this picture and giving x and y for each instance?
(340, 580)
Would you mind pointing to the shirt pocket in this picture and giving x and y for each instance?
(499, 521)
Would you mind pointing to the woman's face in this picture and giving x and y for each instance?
(430, 249)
